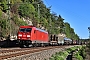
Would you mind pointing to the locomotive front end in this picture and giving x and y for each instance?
(24, 36)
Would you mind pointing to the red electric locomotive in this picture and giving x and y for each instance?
(32, 36)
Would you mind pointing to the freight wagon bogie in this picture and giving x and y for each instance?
(42, 44)
(25, 43)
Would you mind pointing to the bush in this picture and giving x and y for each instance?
(78, 56)
(58, 57)
(52, 58)
(18, 21)
(3, 23)
(62, 55)
(81, 54)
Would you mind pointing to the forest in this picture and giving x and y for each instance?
(14, 13)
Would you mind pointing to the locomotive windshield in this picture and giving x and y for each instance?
(25, 29)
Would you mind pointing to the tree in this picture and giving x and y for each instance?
(29, 1)
(26, 10)
(60, 23)
(4, 5)
(15, 1)
(67, 29)
(70, 32)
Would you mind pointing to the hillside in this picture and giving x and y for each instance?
(31, 12)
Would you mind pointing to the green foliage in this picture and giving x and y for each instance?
(0, 13)
(81, 54)
(59, 56)
(52, 58)
(26, 10)
(60, 23)
(4, 27)
(3, 23)
(4, 5)
(31, 1)
(15, 1)
(18, 21)
(56, 24)
(63, 54)
(44, 12)
(78, 56)
(70, 32)
(69, 50)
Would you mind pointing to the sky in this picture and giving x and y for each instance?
(75, 12)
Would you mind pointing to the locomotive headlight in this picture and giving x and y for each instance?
(28, 35)
(20, 35)
(18, 38)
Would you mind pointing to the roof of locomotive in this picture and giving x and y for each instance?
(26, 26)
(41, 30)
(34, 27)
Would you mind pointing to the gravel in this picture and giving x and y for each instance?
(41, 55)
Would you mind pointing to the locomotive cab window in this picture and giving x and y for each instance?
(28, 29)
(22, 29)
(25, 29)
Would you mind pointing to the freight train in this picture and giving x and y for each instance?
(31, 36)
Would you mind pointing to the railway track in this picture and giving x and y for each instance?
(14, 52)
